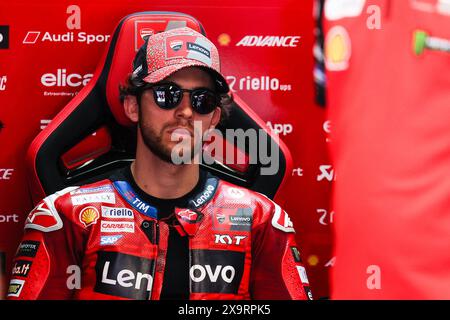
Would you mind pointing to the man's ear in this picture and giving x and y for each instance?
(215, 118)
(131, 108)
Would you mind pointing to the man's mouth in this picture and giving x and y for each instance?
(179, 132)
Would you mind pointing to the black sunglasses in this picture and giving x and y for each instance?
(169, 95)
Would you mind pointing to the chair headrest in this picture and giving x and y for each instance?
(90, 137)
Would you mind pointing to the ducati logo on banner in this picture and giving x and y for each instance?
(146, 28)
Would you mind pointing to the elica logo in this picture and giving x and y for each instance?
(269, 41)
(327, 129)
(6, 174)
(263, 83)
(3, 80)
(63, 79)
(327, 126)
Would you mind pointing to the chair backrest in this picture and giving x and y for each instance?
(91, 136)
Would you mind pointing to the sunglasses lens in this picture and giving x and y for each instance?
(204, 101)
(168, 96)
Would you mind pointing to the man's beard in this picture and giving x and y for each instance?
(154, 141)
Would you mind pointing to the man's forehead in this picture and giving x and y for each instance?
(192, 74)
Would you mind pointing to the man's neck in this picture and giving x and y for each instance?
(161, 179)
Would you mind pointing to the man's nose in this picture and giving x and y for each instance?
(184, 109)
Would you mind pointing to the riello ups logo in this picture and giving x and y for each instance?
(73, 22)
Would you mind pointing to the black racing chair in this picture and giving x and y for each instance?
(91, 136)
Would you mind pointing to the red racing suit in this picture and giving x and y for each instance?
(101, 241)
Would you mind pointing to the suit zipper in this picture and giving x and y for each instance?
(155, 242)
(151, 230)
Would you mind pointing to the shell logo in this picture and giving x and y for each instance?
(224, 39)
(89, 216)
(338, 49)
(313, 260)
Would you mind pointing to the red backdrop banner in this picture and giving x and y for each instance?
(50, 49)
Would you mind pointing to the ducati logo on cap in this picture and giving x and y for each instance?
(196, 48)
(176, 45)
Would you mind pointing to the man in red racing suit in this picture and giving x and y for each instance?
(156, 230)
(241, 246)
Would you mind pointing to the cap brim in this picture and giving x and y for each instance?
(162, 73)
